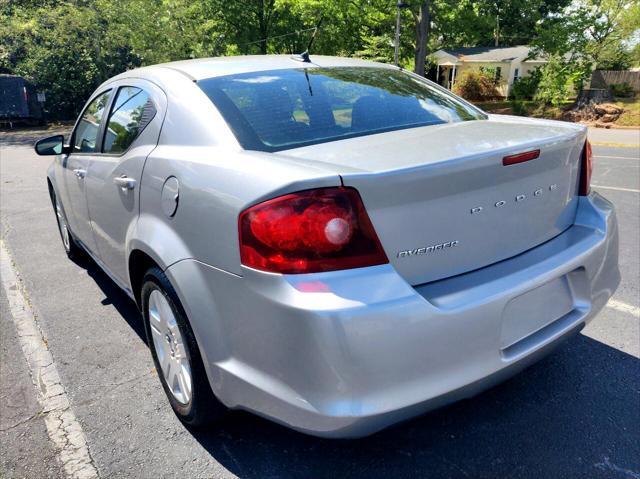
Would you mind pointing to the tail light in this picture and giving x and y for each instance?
(325, 229)
(586, 170)
(520, 157)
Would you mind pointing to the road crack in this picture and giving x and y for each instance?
(23, 421)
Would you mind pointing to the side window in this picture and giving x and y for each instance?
(131, 112)
(85, 137)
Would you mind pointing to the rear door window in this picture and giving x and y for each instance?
(132, 110)
(85, 137)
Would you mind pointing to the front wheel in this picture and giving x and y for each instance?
(175, 353)
(70, 246)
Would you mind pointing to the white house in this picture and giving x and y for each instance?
(510, 63)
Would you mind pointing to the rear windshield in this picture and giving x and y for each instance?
(282, 109)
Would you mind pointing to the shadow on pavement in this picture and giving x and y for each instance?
(576, 413)
(125, 306)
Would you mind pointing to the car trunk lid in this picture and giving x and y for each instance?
(443, 203)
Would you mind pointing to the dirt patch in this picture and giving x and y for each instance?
(602, 115)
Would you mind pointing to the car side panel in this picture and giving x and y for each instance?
(71, 176)
(75, 203)
(215, 185)
(114, 210)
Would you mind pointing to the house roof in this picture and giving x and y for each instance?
(485, 54)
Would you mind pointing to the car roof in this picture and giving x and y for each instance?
(201, 68)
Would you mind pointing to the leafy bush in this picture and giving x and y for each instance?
(623, 90)
(558, 78)
(525, 88)
(491, 72)
(519, 108)
(476, 85)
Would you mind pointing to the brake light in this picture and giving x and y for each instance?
(325, 229)
(520, 157)
(586, 169)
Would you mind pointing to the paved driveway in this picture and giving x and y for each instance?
(575, 414)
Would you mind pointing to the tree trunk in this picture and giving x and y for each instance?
(594, 95)
(262, 27)
(423, 30)
(265, 16)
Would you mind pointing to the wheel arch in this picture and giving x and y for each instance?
(138, 264)
(151, 242)
(52, 190)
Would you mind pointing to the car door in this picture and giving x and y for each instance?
(84, 144)
(131, 133)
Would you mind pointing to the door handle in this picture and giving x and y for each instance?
(80, 173)
(125, 182)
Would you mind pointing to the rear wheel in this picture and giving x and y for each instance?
(70, 246)
(175, 353)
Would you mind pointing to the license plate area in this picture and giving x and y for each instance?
(540, 315)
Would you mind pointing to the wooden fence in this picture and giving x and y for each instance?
(606, 78)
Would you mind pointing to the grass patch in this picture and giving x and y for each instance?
(547, 111)
(490, 106)
(525, 108)
(631, 114)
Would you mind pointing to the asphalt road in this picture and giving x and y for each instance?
(574, 414)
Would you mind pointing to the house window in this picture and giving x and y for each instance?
(516, 74)
(498, 74)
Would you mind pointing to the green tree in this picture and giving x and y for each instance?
(69, 48)
(470, 23)
(586, 35)
(557, 79)
(53, 47)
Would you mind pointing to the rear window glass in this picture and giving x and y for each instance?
(282, 109)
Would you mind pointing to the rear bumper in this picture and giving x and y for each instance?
(347, 353)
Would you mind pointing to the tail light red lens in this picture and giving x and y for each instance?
(586, 169)
(520, 157)
(325, 229)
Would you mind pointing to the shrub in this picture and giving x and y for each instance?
(623, 90)
(524, 88)
(476, 86)
(491, 72)
(519, 108)
(557, 80)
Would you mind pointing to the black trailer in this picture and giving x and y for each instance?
(19, 101)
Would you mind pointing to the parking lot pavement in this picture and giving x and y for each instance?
(623, 137)
(574, 414)
(26, 449)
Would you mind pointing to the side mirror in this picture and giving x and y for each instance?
(54, 145)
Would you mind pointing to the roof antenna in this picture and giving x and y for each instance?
(304, 56)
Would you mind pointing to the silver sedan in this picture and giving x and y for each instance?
(333, 244)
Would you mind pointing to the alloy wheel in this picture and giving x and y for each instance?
(170, 347)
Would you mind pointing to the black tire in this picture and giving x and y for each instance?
(203, 408)
(69, 243)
